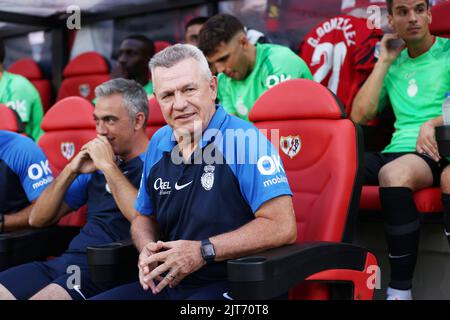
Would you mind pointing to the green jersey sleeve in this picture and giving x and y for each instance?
(33, 128)
(34, 110)
(25, 100)
(224, 96)
(284, 65)
(448, 61)
(302, 69)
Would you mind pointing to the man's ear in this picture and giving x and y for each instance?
(390, 21)
(139, 121)
(243, 40)
(213, 84)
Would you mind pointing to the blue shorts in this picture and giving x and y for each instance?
(134, 291)
(67, 271)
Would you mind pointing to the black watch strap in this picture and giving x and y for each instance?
(208, 251)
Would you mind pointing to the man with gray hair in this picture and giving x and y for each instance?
(193, 216)
(105, 175)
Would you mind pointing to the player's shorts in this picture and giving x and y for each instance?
(134, 291)
(374, 161)
(69, 271)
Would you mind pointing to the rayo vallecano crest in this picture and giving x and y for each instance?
(67, 150)
(290, 145)
(208, 177)
(84, 90)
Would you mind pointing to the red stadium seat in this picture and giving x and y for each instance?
(83, 74)
(161, 45)
(9, 120)
(428, 200)
(322, 154)
(30, 69)
(68, 125)
(155, 118)
(440, 25)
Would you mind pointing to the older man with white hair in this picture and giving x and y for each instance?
(202, 202)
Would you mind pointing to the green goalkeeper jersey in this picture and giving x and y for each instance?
(17, 93)
(274, 64)
(416, 89)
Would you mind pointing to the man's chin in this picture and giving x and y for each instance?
(117, 151)
(184, 130)
(414, 36)
(236, 77)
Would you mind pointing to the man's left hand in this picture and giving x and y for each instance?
(179, 259)
(426, 141)
(101, 152)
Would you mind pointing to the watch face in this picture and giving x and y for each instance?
(208, 250)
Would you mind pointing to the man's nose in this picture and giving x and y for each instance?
(101, 128)
(412, 16)
(180, 101)
(220, 67)
(122, 59)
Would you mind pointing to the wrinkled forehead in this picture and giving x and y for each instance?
(112, 105)
(183, 72)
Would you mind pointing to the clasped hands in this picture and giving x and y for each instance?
(175, 259)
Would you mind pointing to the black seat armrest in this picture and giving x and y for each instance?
(271, 273)
(34, 244)
(113, 263)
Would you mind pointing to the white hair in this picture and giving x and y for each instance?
(172, 55)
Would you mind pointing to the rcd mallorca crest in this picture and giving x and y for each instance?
(67, 150)
(208, 177)
(290, 145)
(84, 90)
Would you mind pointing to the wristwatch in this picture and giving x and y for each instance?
(208, 252)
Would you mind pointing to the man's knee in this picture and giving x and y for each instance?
(5, 294)
(409, 171)
(52, 292)
(395, 176)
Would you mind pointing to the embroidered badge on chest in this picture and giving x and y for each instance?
(208, 177)
(241, 107)
(412, 88)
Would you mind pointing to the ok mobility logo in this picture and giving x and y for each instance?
(41, 172)
(270, 165)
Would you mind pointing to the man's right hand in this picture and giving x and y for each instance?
(144, 269)
(82, 163)
(388, 51)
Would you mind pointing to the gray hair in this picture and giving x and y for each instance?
(170, 56)
(133, 95)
